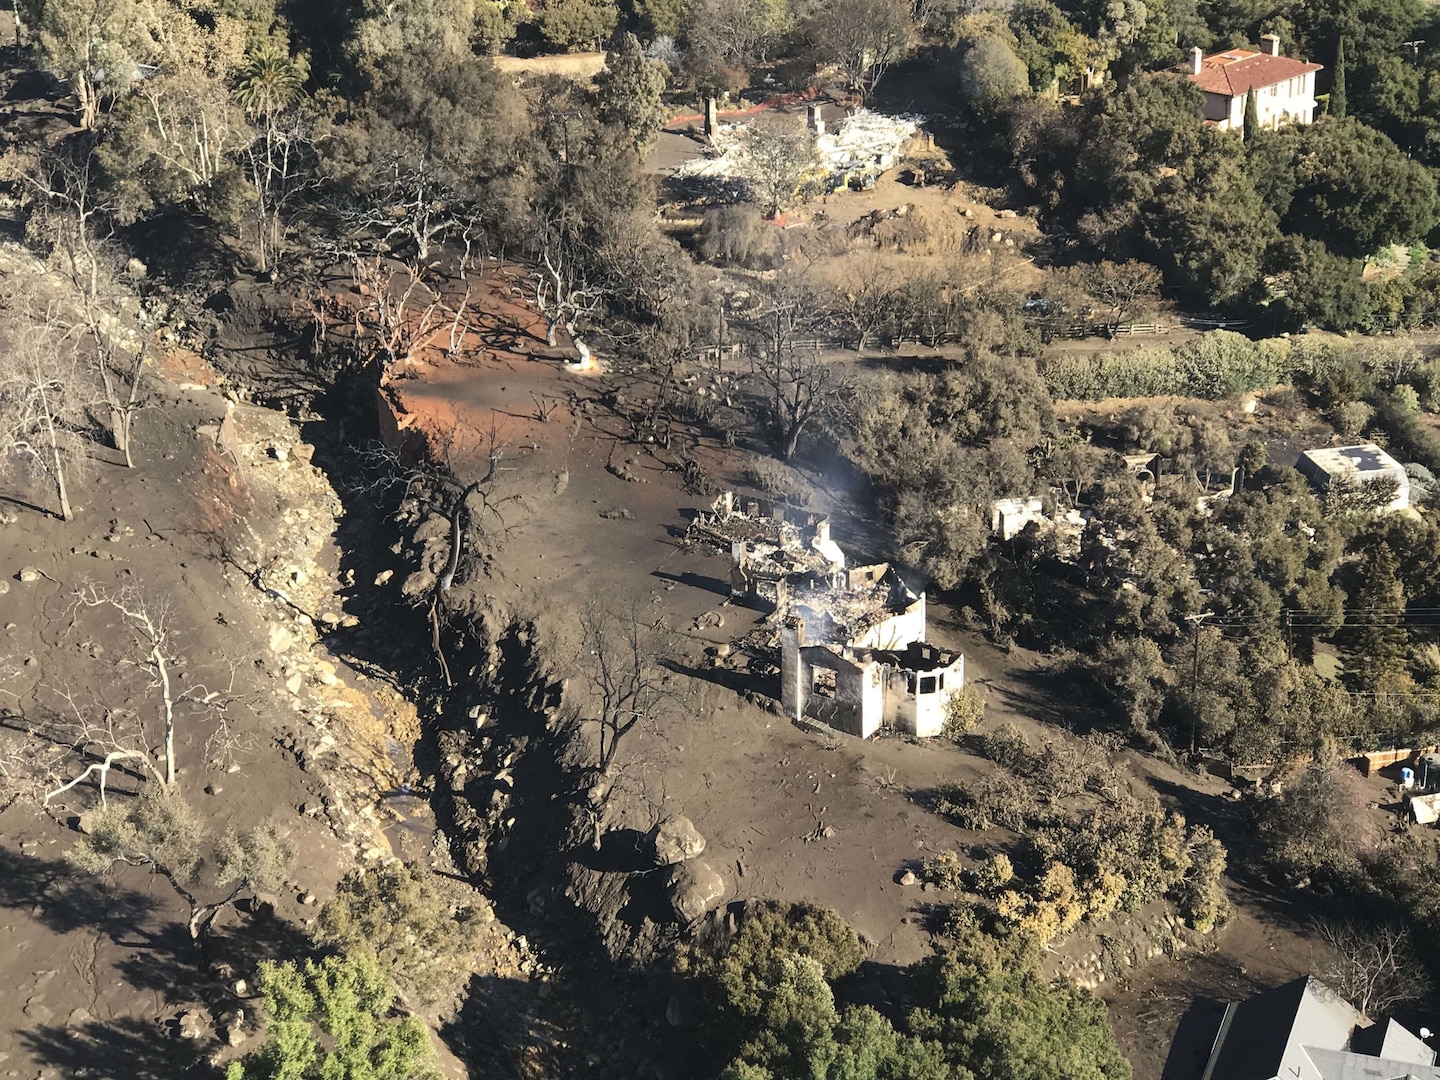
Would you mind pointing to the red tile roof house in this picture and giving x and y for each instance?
(1284, 87)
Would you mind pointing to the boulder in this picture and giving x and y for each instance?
(418, 583)
(695, 889)
(676, 839)
(191, 1024)
(682, 1010)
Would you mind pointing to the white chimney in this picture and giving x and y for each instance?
(1195, 57)
(1270, 44)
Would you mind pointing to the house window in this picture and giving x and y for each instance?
(823, 682)
(942, 680)
(909, 682)
(927, 684)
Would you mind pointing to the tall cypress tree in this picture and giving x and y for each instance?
(1376, 632)
(1337, 90)
(1252, 115)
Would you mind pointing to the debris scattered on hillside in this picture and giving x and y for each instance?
(863, 145)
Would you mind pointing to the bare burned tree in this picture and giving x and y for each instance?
(401, 310)
(29, 764)
(45, 390)
(412, 201)
(153, 826)
(1373, 966)
(620, 662)
(801, 386)
(563, 290)
(1129, 289)
(863, 38)
(867, 298)
(779, 157)
(279, 160)
(123, 737)
(71, 221)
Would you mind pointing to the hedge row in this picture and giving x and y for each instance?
(1216, 365)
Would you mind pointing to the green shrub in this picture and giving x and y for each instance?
(738, 234)
(1351, 418)
(333, 1019)
(944, 871)
(955, 803)
(997, 1015)
(575, 25)
(1147, 371)
(773, 930)
(1215, 366)
(399, 912)
(994, 873)
(1007, 746)
(963, 713)
(1200, 897)
(1222, 363)
(1340, 377)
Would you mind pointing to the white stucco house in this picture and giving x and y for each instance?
(1353, 466)
(1284, 87)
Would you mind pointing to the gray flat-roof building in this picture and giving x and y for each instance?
(1355, 465)
(1305, 1031)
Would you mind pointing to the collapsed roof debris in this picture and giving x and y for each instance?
(852, 640)
(863, 145)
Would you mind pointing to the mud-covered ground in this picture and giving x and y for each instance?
(228, 536)
(598, 518)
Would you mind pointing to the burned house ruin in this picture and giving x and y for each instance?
(852, 640)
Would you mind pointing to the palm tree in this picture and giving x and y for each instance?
(270, 80)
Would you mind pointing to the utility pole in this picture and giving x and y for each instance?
(720, 338)
(1289, 635)
(1195, 621)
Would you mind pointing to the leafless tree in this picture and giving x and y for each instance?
(563, 290)
(401, 310)
(801, 386)
(867, 297)
(71, 221)
(120, 736)
(29, 763)
(412, 203)
(620, 663)
(1373, 966)
(277, 164)
(45, 392)
(734, 34)
(1129, 289)
(863, 38)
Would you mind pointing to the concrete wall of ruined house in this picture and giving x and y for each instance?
(872, 699)
(858, 705)
(921, 715)
(792, 696)
(897, 631)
